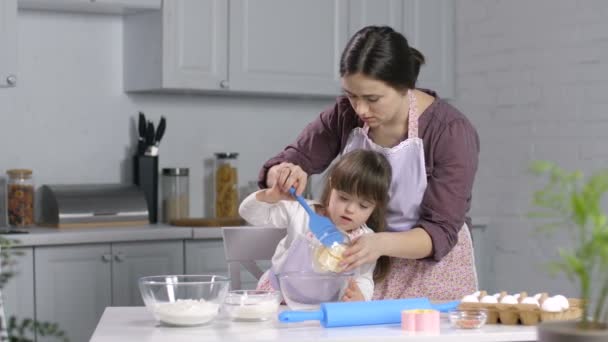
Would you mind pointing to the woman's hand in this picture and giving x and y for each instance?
(353, 292)
(365, 250)
(273, 195)
(286, 175)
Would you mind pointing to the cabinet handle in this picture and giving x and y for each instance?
(119, 257)
(11, 80)
(224, 84)
(106, 257)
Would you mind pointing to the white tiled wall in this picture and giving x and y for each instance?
(533, 77)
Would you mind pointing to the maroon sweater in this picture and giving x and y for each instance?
(451, 150)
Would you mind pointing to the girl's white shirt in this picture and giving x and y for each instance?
(291, 215)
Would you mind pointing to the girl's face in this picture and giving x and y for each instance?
(375, 102)
(348, 211)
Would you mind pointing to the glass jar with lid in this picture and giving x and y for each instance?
(226, 185)
(175, 193)
(20, 198)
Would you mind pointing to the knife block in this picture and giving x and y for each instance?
(145, 175)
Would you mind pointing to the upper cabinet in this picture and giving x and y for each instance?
(263, 46)
(8, 43)
(428, 26)
(290, 47)
(182, 47)
(273, 46)
(92, 6)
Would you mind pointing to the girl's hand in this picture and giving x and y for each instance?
(273, 195)
(287, 175)
(353, 292)
(365, 250)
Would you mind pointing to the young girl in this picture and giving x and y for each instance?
(354, 198)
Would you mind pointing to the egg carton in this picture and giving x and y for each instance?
(526, 314)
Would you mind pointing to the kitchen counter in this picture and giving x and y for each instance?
(39, 236)
(137, 324)
(42, 236)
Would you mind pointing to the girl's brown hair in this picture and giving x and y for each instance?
(366, 174)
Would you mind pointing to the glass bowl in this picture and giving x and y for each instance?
(468, 319)
(184, 300)
(252, 305)
(307, 290)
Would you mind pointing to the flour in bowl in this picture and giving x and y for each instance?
(186, 312)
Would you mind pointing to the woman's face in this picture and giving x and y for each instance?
(348, 211)
(375, 102)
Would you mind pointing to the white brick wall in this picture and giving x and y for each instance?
(533, 77)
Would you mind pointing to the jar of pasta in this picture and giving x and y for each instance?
(20, 198)
(226, 185)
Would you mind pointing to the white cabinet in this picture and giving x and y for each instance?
(289, 47)
(182, 47)
(135, 260)
(18, 293)
(262, 46)
(8, 43)
(73, 287)
(74, 284)
(428, 26)
(92, 6)
(207, 257)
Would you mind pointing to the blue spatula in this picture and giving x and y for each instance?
(324, 230)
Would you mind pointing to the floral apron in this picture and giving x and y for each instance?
(454, 275)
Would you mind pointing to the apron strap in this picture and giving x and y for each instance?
(412, 125)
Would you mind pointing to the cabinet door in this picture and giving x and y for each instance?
(207, 257)
(8, 43)
(135, 260)
(287, 46)
(72, 287)
(429, 27)
(362, 13)
(91, 6)
(195, 44)
(18, 293)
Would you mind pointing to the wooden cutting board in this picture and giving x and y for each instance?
(209, 222)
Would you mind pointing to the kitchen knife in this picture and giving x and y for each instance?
(141, 131)
(160, 130)
(150, 134)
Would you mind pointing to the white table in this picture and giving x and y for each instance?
(137, 324)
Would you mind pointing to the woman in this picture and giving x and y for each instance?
(432, 148)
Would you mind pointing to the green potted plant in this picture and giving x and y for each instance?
(16, 329)
(573, 202)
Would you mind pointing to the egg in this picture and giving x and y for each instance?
(563, 301)
(508, 299)
(552, 305)
(530, 300)
(470, 299)
(489, 299)
(537, 296)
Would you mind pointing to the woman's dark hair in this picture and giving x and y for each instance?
(366, 174)
(381, 53)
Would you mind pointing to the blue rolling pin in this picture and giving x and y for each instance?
(342, 314)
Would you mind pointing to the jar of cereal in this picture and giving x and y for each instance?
(226, 185)
(20, 198)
